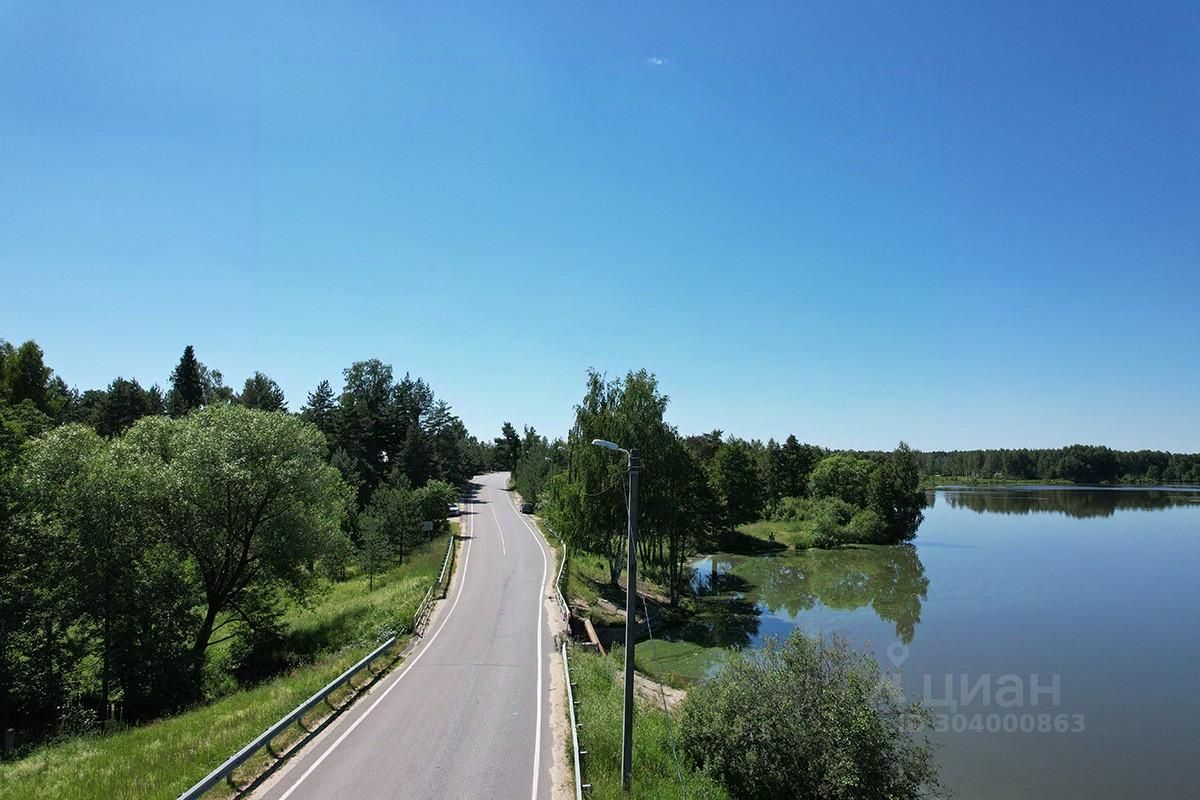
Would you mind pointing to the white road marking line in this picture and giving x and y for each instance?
(537, 741)
(461, 584)
(499, 527)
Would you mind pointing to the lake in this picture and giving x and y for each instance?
(1056, 632)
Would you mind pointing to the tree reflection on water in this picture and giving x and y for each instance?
(1072, 501)
(733, 591)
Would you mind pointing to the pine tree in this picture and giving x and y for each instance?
(156, 404)
(7, 351)
(320, 407)
(416, 456)
(508, 448)
(125, 402)
(187, 385)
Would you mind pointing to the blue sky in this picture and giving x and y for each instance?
(960, 224)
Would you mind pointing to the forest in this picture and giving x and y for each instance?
(151, 540)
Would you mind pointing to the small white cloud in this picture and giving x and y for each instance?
(658, 61)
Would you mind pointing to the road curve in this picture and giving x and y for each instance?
(467, 713)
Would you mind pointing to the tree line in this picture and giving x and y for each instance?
(141, 528)
(1077, 463)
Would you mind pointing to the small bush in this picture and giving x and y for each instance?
(808, 718)
(867, 527)
(791, 509)
(831, 516)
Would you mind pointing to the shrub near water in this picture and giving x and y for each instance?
(807, 719)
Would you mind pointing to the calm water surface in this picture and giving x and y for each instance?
(1095, 586)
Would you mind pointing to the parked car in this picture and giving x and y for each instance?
(453, 512)
(526, 508)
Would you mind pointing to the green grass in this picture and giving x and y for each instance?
(346, 612)
(656, 773)
(161, 759)
(586, 582)
(793, 533)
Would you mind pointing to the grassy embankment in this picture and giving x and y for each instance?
(678, 663)
(162, 758)
(655, 770)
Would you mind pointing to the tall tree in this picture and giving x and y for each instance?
(706, 445)
(215, 390)
(26, 377)
(21, 597)
(247, 498)
(6, 352)
(416, 456)
(895, 494)
(124, 403)
(368, 423)
(262, 393)
(451, 444)
(38, 632)
(777, 483)
(187, 384)
(688, 523)
(91, 497)
(534, 466)
(508, 448)
(320, 408)
(156, 403)
(390, 525)
(736, 478)
(845, 476)
(591, 506)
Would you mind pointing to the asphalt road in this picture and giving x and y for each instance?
(467, 713)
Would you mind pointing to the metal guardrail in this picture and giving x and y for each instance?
(574, 727)
(422, 615)
(263, 740)
(441, 581)
(562, 602)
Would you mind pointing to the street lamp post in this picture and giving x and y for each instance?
(630, 610)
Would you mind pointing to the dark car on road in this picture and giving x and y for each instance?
(526, 508)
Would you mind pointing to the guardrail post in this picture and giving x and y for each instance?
(579, 785)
